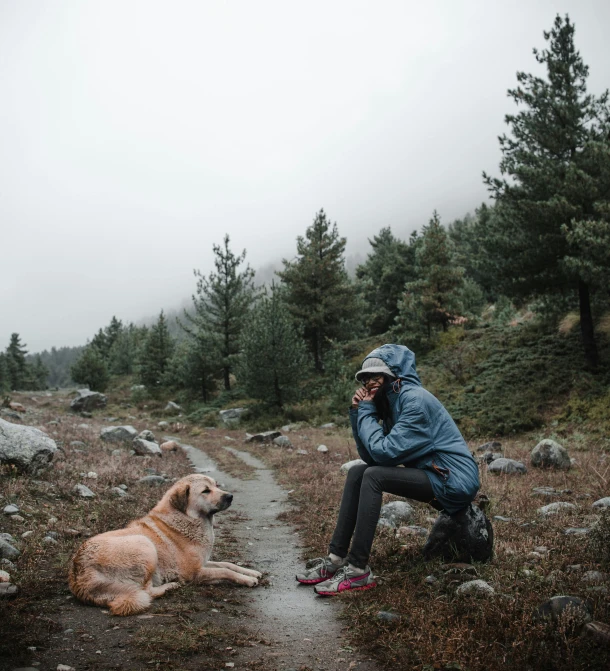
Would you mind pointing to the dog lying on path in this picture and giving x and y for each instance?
(126, 569)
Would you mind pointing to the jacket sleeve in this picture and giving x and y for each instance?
(409, 437)
(362, 451)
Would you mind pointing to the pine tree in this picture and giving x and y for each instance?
(551, 183)
(155, 354)
(4, 377)
(221, 307)
(192, 367)
(319, 293)
(16, 362)
(382, 276)
(274, 357)
(90, 369)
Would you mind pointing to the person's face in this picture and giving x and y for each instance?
(372, 381)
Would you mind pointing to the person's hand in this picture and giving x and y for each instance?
(358, 396)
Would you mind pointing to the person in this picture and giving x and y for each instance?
(416, 452)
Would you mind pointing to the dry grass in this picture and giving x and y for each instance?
(436, 628)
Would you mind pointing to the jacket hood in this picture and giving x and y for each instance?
(400, 360)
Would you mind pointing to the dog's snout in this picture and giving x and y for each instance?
(228, 498)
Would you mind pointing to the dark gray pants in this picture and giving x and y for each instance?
(361, 504)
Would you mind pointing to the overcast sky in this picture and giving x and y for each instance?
(133, 135)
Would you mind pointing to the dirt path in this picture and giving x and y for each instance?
(305, 629)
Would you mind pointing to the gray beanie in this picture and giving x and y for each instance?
(374, 365)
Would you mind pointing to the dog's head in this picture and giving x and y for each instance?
(197, 496)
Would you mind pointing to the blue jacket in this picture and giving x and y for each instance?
(420, 433)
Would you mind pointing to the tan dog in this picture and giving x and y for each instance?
(126, 569)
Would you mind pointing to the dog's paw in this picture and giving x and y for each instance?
(172, 585)
(254, 574)
(251, 582)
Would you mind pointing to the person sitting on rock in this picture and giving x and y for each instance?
(416, 432)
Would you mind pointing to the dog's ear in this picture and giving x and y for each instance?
(180, 499)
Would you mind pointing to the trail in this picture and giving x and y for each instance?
(305, 629)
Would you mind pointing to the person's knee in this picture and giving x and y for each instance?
(373, 477)
(356, 473)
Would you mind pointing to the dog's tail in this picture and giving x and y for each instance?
(130, 602)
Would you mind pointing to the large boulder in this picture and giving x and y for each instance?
(88, 400)
(146, 448)
(232, 416)
(118, 434)
(467, 536)
(395, 514)
(27, 448)
(549, 454)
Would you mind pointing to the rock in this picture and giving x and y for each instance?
(490, 446)
(282, 441)
(92, 475)
(554, 508)
(488, 457)
(10, 414)
(27, 448)
(147, 435)
(475, 588)
(118, 492)
(576, 531)
(549, 454)
(84, 427)
(430, 579)
(7, 590)
(322, 448)
(83, 491)
(232, 416)
(86, 415)
(4, 576)
(52, 534)
(264, 437)
(7, 551)
(17, 407)
(287, 428)
(7, 537)
(77, 443)
(384, 615)
(65, 667)
(88, 400)
(123, 487)
(152, 480)
(7, 563)
(49, 540)
(465, 537)
(328, 425)
(117, 453)
(395, 514)
(348, 464)
(169, 446)
(118, 434)
(550, 492)
(507, 466)
(302, 452)
(146, 447)
(595, 577)
(411, 531)
(501, 518)
(599, 631)
(172, 408)
(602, 503)
(27, 534)
(17, 518)
(10, 509)
(554, 608)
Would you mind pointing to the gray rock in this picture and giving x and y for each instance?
(554, 608)
(550, 492)
(488, 457)
(263, 437)
(282, 441)
(152, 480)
(52, 534)
(490, 446)
(88, 400)
(475, 588)
(7, 551)
(549, 454)
(123, 487)
(232, 416)
(118, 434)
(7, 563)
(430, 579)
(77, 443)
(163, 425)
(146, 448)
(506, 466)
(10, 414)
(395, 514)
(328, 425)
(576, 531)
(118, 492)
(117, 453)
(172, 408)
(27, 534)
(348, 464)
(10, 509)
(386, 616)
(602, 503)
(501, 518)
(83, 491)
(287, 428)
(27, 448)
(49, 540)
(467, 536)
(412, 530)
(147, 435)
(17, 518)
(322, 448)
(303, 452)
(7, 537)
(595, 577)
(557, 507)
(7, 590)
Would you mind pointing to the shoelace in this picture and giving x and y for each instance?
(318, 562)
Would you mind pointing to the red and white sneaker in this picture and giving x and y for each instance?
(317, 570)
(346, 579)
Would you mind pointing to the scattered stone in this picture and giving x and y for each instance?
(147, 435)
(48, 540)
(541, 549)
(411, 531)
(322, 448)
(488, 457)
(17, 407)
(554, 608)
(550, 492)
(599, 631)
(328, 425)
(92, 475)
(169, 446)
(86, 415)
(549, 454)
(116, 453)
(430, 579)
(7, 590)
(123, 487)
(395, 514)
(163, 425)
(27, 534)
(27, 448)
(602, 503)
(594, 577)
(83, 427)
(52, 520)
(78, 443)
(118, 434)
(490, 446)
(152, 480)
(348, 464)
(7, 537)
(302, 452)
(7, 563)
(10, 414)
(172, 408)
(4, 576)
(146, 447)
(7, 551)
(475, 588)
(118, 492)
(10, 509)
(65, 667)
(384, 615)
(576, 531)
(554, 508)
(282, 441)
(88, 400)
(287, 428)
(506, 466)
(465, 537)
(17, 518)
(83, 491)
(264, 437)
(232, 416)
(501, 518)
